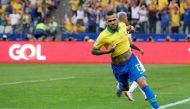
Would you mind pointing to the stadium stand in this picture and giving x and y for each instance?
(80, 18)
(19, 17)
(149, 18)
(139, 36)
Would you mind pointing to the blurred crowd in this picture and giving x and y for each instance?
(30, 17)
(22, 16)
(147, 16)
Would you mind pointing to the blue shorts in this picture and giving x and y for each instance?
(131, 70)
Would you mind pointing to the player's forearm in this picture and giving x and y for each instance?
(133, 46)
(100, 52)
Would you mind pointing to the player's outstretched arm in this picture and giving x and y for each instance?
(133, 46)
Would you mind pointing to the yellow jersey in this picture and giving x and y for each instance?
(175, 19)
(162, 4)
(109, 37)
(75, 4)
(182, 7)
(69, 26)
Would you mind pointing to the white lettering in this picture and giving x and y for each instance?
(15, 56)
(21, 52)
(39, 55)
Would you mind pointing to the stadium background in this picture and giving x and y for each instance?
(47, 73)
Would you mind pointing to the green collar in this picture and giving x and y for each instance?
(112, 30)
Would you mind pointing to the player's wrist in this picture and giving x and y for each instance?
(109, 51)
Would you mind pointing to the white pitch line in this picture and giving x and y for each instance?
(34, 81)
(175, 103)
(20, 108)
(14, 108)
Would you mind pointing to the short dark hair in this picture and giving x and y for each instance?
(109, 13)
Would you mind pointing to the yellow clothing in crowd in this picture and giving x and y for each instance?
(183, 5)
(162, 4)
(74, 4)
(113, 3)
(79, 28)
(172, 7)
(9, 20)
(175, 18)
(40, 9)
(2, 10)
(69, 26)
(41, 26)
(48, 3)
(16, 6)
(175, 14)
(152, 6)
(104, 3)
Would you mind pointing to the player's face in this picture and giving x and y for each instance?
(112, 21)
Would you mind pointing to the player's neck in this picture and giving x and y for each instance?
(111, 30)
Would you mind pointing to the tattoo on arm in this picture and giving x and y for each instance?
(133, 46)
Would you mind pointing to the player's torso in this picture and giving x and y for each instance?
(118, 38)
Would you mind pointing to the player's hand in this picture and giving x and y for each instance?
(111, 48)
(141, 51)
(130, 29)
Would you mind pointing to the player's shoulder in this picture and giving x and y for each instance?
(104, 33)
(121, 24)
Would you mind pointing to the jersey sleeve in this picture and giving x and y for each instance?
(98, 43)
(124, 28)
(123, 25)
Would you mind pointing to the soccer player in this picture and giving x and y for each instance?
(125, 64)
(122, 16)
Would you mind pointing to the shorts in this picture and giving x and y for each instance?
(130, 70)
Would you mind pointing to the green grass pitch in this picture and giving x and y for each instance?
(86, 86)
